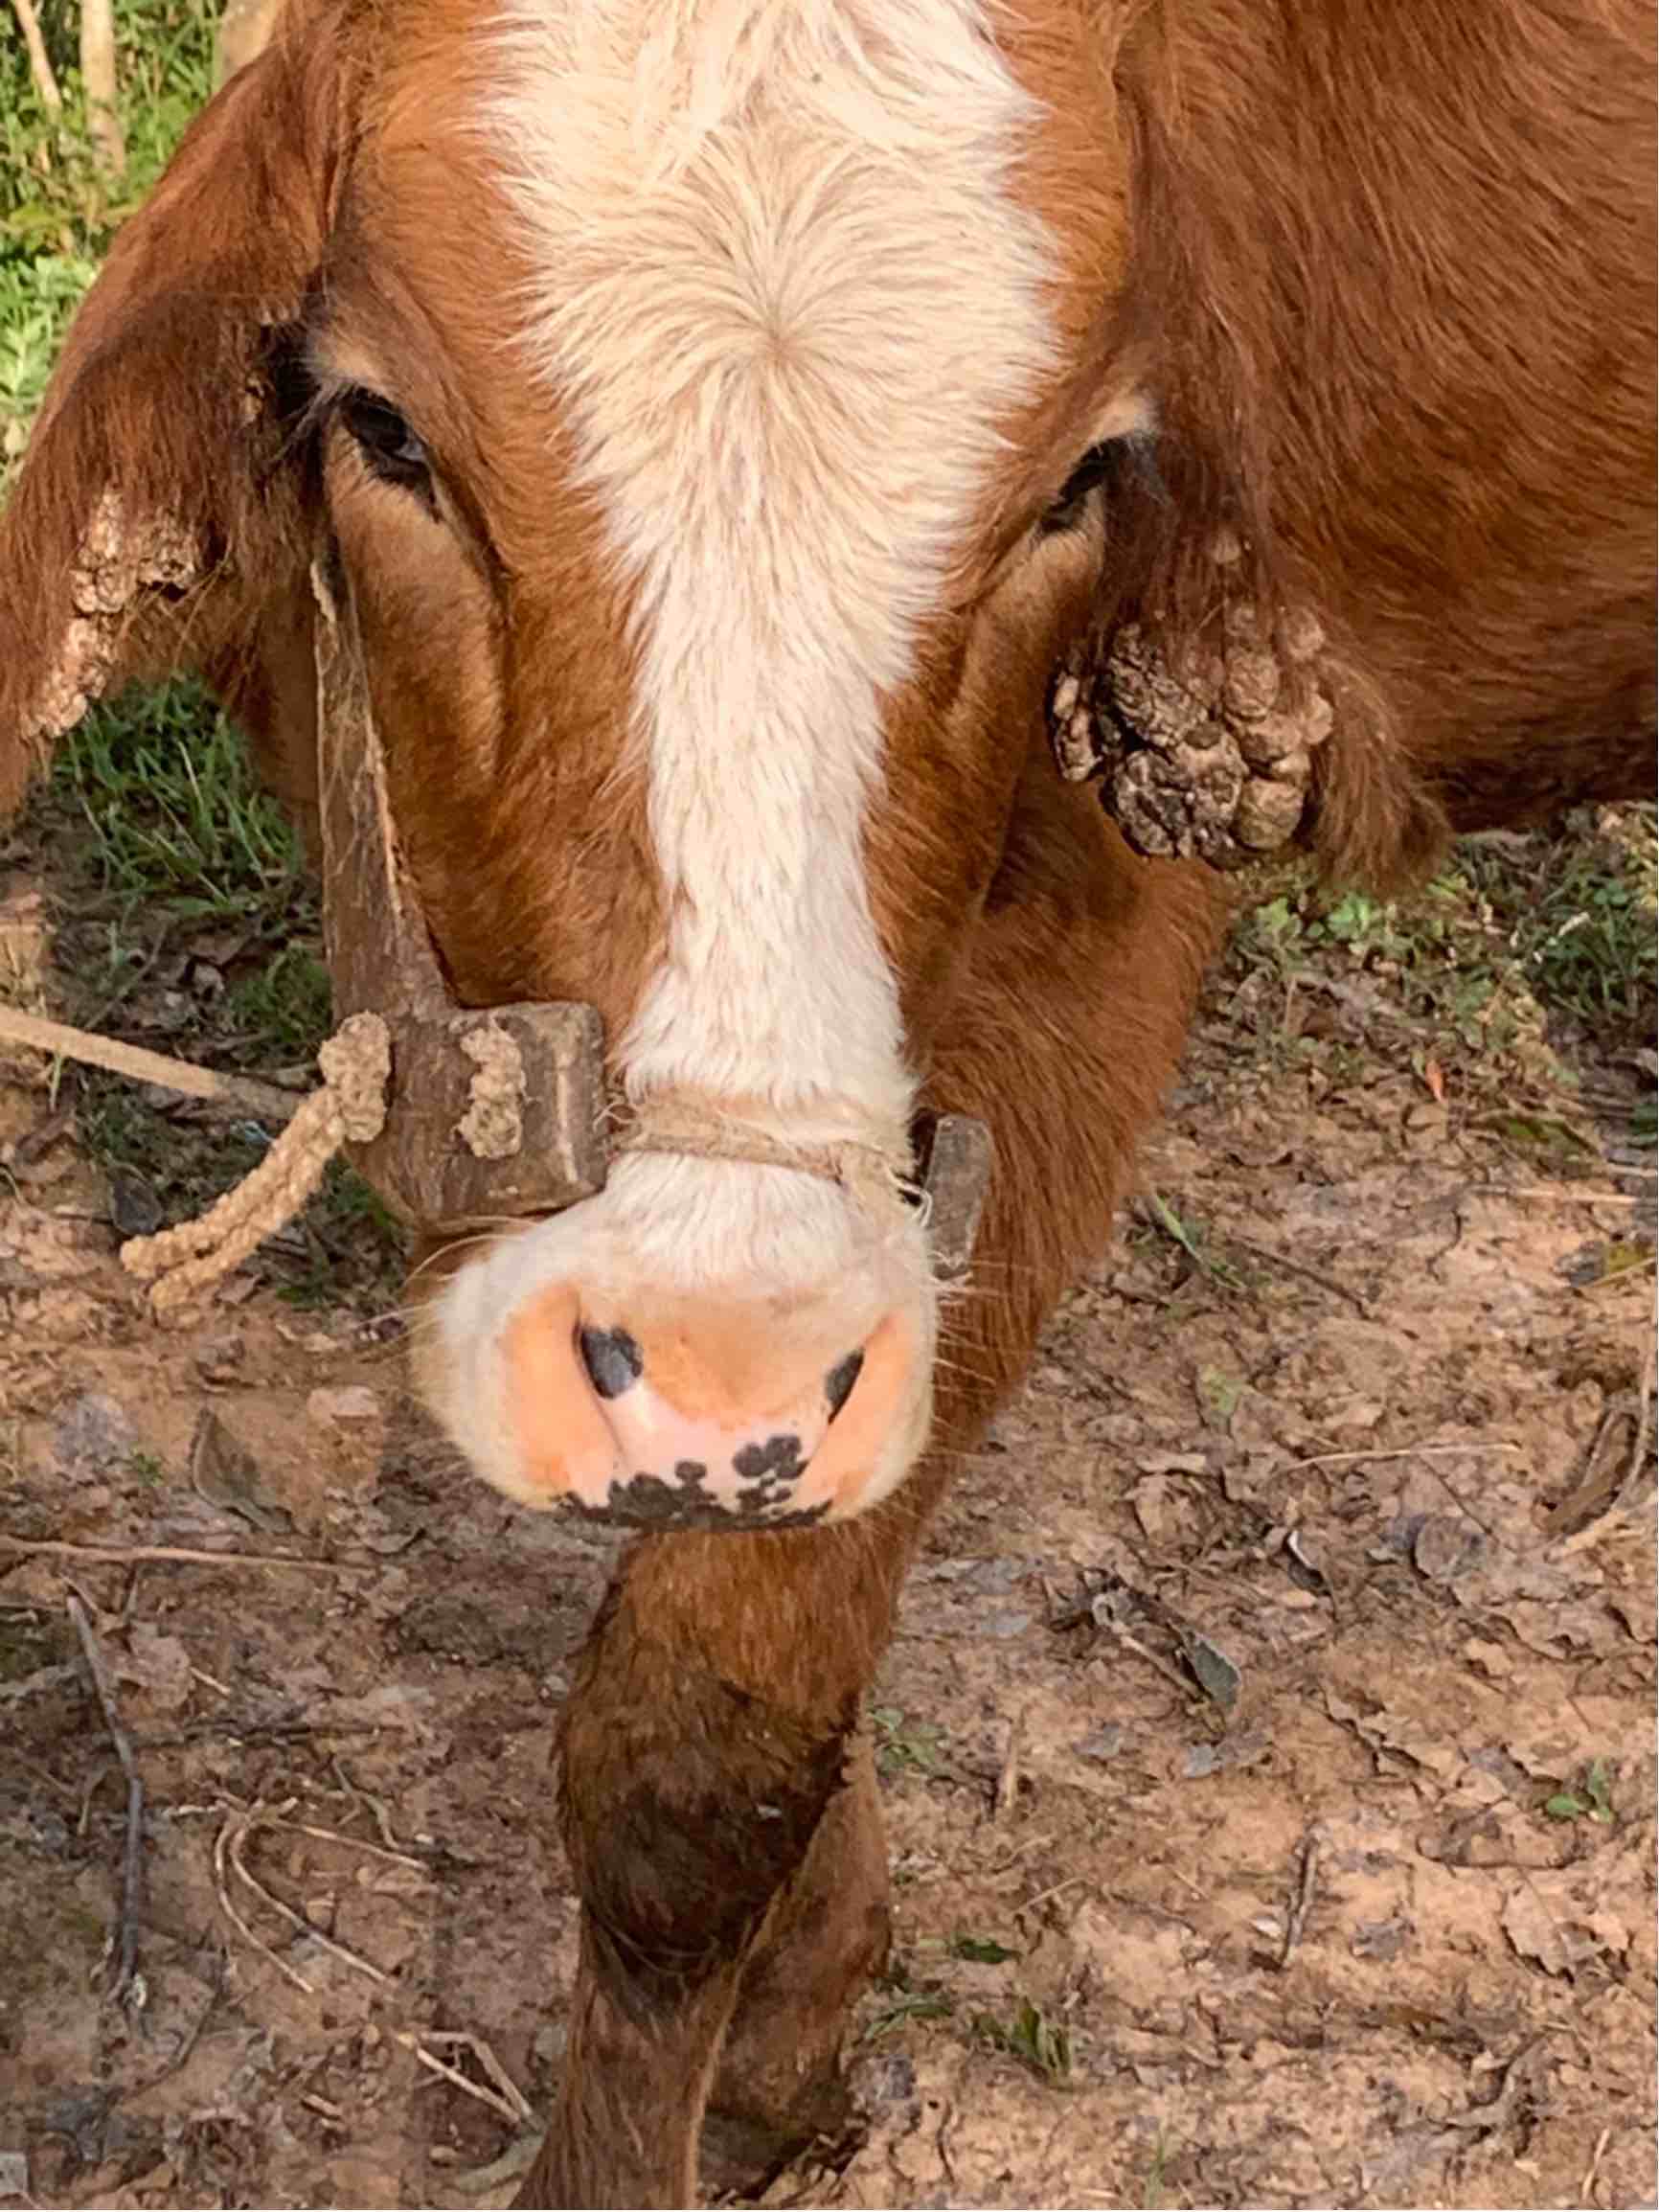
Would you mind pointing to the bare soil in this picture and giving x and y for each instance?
(1268, 1745)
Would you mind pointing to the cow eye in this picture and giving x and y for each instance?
(1065, 510)
(387, 443)
(1115, 464)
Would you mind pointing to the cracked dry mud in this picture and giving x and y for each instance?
(1380, 1933)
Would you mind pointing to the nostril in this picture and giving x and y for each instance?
(613, 1361)
(838, 1382)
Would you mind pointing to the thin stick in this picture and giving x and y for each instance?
(39, 61)
(464, 2039)
(457, 2080)
(1300, 1268)
(1141, 1651)
(151, 1554)
(1644, 1415)
(297, 1921)
(132, 1869)
(221, 1848)
(1007, 1781)
(352, 1843)
(1567, 1197)
(1618, 1275)
(1306, 1877)
(1588, 2183)
(1400, 1452)
(261, 1100)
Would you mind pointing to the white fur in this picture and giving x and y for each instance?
(786, 290)
(788, 298)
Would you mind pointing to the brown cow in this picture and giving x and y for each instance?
(722, 419)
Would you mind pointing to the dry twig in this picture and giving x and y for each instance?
(132, 1866)
(1306, 1880)
(1397, 1452)
(151, 1554)
(1300, 1268)
(297, 1921)
(1007, 1781)
(463, 2038)
(222, 1888)
(516, 2112)
(352, 1842)
(1587, 2185)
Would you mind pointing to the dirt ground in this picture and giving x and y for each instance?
(1268, 1745)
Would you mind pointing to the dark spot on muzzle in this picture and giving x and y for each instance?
(780, 1457)
(838, 1382)
(613, 1361)
(769, 1472)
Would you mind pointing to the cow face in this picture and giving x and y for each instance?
(693, 400)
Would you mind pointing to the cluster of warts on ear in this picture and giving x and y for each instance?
(1203, 751)
(119, 561)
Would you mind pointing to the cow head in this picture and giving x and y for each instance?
(700, 404)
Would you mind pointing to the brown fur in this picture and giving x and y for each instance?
(1385, 274)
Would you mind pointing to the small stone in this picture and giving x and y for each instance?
(13, 2174)
(1445, 1547)
(1215, 1670)
(348, 1406)
(135, 1208)
(93, 1435)
(1103, 1743)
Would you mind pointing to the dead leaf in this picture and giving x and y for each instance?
(1532, 1930)
(159, 1664)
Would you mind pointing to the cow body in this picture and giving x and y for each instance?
(723, 419)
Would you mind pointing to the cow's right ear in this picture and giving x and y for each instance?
(158, 521)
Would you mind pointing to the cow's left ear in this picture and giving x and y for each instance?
(158, 520)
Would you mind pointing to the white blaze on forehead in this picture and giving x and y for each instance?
(792, 303)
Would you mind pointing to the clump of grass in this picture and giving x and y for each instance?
(1042, 2045)
(1581, 918)
(907, 1746)
(1521, 945)
(172, 817)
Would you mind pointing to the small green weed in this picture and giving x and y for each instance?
(1191, 1239)
(912, 2005)
(1042, 2045)
(1218, 1394)
(1590, 1800)
(1152, 2195)
(908, 1746)
(982, 1950)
